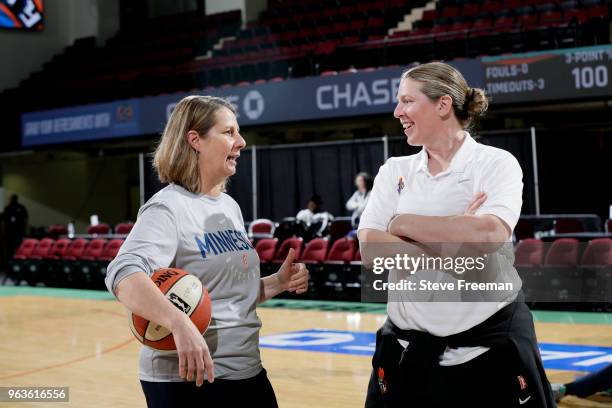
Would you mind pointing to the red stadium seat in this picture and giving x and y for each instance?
(529, 252)
(482, 24)
(43, 249)
(261, 228)
(110, 250)
(329, 73)
(504, 23)
(528, 20)
(315, 251)
(93, 250)
(56, 230)
(491, 6)
(429, 15)
(512, 4)
(563, 252)
(598, 12)
(294, 242)
(75, 250)
(450, 11)
(58, 249)
(470, 9)
(580, 16)
(343, 250)
(124, 228)
(266, 248)
(99, 229)
(26, 248)
(598, 252)
(550, 18)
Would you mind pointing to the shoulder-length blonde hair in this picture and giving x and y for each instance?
(174, 159)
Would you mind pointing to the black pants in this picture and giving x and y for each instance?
(493, 379)
(255, 391)
(592, 383)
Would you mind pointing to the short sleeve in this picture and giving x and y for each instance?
(382, 201)
(503, 183)
(151, 245)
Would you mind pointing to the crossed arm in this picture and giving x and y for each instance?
(487, 232)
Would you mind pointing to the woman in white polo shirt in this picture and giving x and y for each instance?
(450, 353)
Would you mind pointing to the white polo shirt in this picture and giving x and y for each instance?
(404, 185)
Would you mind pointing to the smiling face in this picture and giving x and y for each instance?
(220, 149)
(417, 113)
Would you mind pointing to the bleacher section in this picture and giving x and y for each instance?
(139, 60)
(299, 38)
(574, 254)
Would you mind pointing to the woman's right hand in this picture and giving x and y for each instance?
(476, 203)
(194, 356)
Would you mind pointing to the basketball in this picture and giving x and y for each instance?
(186, 292)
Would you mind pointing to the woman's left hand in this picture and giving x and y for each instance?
(293, 277)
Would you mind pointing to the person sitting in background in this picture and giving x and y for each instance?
(306, 216)
(359, 199)
(313, 220)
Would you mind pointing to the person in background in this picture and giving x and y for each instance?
(15, 221)
(307, 215)
(313, 220)
(359, 199)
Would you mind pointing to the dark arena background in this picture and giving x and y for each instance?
(87, 87)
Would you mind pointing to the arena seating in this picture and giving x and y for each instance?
(139, 60)
(266, 248)
(335, 265)
(315, 251)
(598, 252)
(124, 228)
(529, 252)
(563, 252)
(559, 274)
(261, 228)
(294, 39)
(63, 262)
(99, 229)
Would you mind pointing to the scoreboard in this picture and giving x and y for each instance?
(555, 75)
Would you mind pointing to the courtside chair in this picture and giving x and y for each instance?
(18, 261)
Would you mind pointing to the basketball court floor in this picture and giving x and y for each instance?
(317, 353)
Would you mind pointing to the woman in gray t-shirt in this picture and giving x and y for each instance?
(193, 225)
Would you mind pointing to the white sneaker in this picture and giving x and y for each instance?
(558, 391)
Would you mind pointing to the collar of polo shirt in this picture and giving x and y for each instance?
(459, 160)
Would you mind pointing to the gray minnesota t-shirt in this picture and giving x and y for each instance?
(205, 236)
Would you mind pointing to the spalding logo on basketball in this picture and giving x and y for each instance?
(187, 294)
